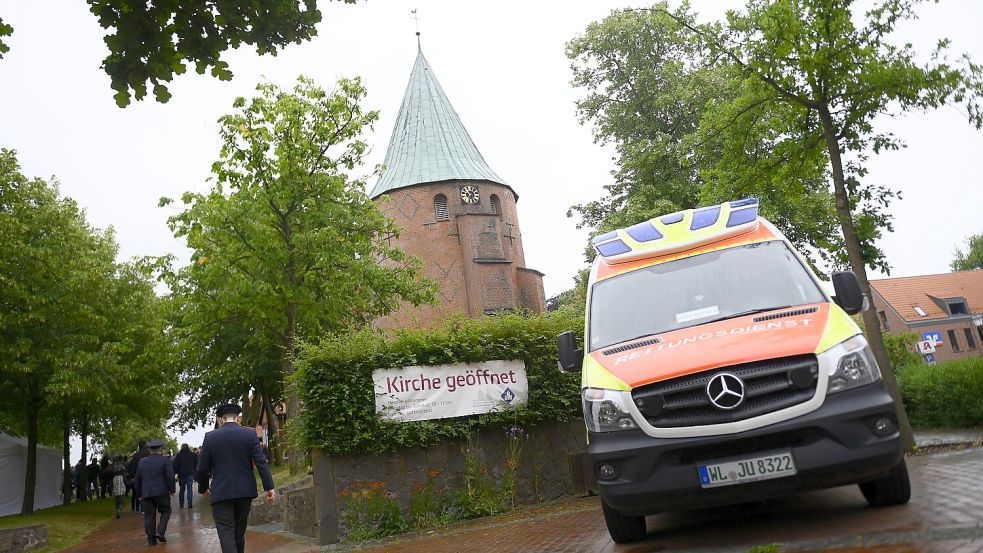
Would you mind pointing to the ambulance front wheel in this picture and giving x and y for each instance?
(893, 489)
(623, 528)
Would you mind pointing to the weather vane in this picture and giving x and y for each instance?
(416, 21)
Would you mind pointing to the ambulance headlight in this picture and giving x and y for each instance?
(607, 410)
(852, 365)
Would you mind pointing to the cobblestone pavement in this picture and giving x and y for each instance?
(944, 516)
(188, 531)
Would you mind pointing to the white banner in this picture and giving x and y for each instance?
(444, 391)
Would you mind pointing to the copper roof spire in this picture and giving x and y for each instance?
(429, 143)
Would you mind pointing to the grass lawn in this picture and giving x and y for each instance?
(66, 525)
(281, 477)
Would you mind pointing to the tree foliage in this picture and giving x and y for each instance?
(152, 41)
(286, 246)
(76, 328)
(972, 259)
(650, 84)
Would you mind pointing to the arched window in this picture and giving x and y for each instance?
(440, 207)
(496, 208)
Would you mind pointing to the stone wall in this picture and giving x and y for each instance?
(28, 538)
(544, 473)
(294, 509)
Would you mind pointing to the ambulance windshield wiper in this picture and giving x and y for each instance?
(745, 313)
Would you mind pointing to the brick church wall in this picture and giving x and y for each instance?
(474, 255)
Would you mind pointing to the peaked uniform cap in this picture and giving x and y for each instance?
(429, 143)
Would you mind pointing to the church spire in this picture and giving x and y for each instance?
(429, 143)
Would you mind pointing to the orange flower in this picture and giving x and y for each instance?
(434, 473)
(356, 485)
(344, 493)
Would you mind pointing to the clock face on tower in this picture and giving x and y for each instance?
(469, 194)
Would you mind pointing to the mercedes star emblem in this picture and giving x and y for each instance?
(726, 391)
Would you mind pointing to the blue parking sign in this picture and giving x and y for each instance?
(930, 358)
(935, 337)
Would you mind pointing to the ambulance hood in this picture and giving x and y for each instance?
(800, 330)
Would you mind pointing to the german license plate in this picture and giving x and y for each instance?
(741, 471)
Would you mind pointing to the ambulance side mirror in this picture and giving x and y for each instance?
(571, 358)
(849, 296)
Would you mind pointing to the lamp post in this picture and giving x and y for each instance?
(978, 323)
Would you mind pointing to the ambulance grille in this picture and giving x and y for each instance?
(769, 385)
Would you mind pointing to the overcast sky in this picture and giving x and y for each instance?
(503, 68)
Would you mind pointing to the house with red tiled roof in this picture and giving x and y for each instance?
(945, 308)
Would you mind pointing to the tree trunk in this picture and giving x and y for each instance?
(852, 242)
(84, 476)
(66, 460)
(296, 455)
(31, 474)
(272, 430)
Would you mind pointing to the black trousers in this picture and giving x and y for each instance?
(151, 506)
(230, 517)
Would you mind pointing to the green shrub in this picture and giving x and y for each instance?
(901, 349)
(369, 511)
(948, 394)
(334, 379)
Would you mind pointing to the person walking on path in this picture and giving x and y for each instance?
(117, 479)
(185, 463)
(155, 484)
(227, 457)
(142, 451)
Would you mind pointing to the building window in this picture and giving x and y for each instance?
(953, 341)
(970, 342)
(440, 207)
(958, 307)
(921, 312)
(496, 206)
(883, 317)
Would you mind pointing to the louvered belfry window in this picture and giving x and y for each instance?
(495, 207)
(440, 207)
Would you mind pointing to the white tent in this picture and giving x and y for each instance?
(13, 466)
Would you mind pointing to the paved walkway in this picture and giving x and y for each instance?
(944, 516)
(188, 531)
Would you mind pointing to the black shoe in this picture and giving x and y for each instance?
(151, 542)
(160, 538)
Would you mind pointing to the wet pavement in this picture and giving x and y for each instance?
(945, 515)
(188, 531)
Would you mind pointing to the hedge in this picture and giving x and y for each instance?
(948, 394)
(334, 379)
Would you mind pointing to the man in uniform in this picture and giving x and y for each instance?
(154, 485)
(227, 457)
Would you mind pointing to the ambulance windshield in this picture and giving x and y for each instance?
(696, 290)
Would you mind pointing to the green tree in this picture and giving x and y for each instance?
(286, 245)
(972, 259)
(150, 42)
(649, 83)
(51, 264)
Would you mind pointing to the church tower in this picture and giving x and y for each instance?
(455, 212)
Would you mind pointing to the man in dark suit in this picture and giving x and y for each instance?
(131, 469)
(226, 458)
(154, 484)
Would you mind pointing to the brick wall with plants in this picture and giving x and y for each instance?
(446, 469)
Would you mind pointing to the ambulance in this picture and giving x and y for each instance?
(716, 370)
